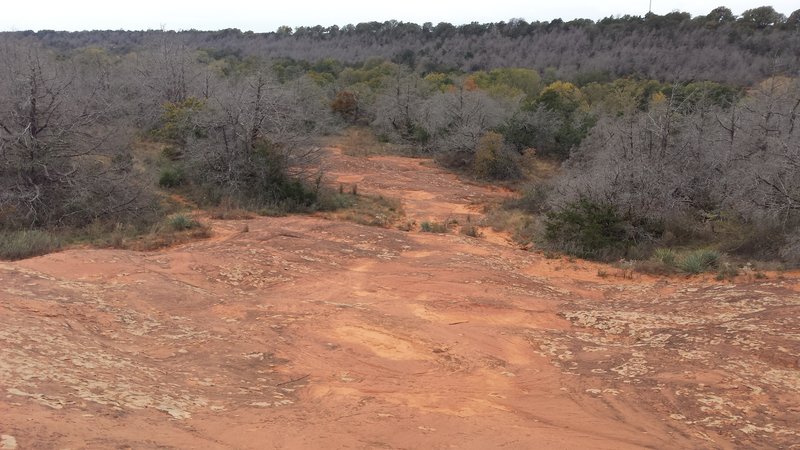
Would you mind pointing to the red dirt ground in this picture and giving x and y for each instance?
(311, 333)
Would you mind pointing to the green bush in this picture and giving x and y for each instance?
(181, 222)
(170, 178)
(587, 229)
(27, 244)
(699, 261)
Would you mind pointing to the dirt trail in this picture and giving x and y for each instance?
(311, 333)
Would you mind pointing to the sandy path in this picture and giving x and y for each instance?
(310, 333)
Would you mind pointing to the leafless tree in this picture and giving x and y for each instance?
(456, 120)
(766, 160)
(64, 157)
(700, 162)
(258, 135)
(399, 107)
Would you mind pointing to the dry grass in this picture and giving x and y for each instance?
(227, 210)
(178, 229)
(433, 227)
(471, 230)
(27, 244)
(523, 227)
(173, 230)
(368, 210)
(362, 141)
(538, 169)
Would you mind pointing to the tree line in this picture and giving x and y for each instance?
(645, 161)
(718, 46)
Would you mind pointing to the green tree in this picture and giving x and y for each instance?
(568, 103)
(177, 123)
(719, 16)
(761, 17)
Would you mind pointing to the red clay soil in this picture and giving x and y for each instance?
(305, 332)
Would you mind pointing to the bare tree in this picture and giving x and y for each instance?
(258, 138)
(456, 120)
(399, 107)
(766, 162)
(64, 159)
(695, 162)
(165, 72)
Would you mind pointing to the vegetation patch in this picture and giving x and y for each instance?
(175, 230)
(377, 211)
(27, 244)
(699, 261)
(170, 178)
(470, 229)
(587, 229)
(182, 222)
(435, 227)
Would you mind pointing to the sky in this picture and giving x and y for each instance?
(267, 15)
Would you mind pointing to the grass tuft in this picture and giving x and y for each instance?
(433, 227)
(699, 261)
(27, 244)
(180, 222)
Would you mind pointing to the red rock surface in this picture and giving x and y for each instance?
(311, 333)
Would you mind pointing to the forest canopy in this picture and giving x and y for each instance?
(666, 130)
(718, 46)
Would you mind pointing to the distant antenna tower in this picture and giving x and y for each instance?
(650, 9)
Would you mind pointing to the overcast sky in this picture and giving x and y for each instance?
(267, 15)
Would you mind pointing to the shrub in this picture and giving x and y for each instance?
(346, 105)
(433, 227)
(471, 230)
(588, 229)
(181, 222)
(170, 178)
(492, 161)
(177, 121)
(27, 244)
(699, 261)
